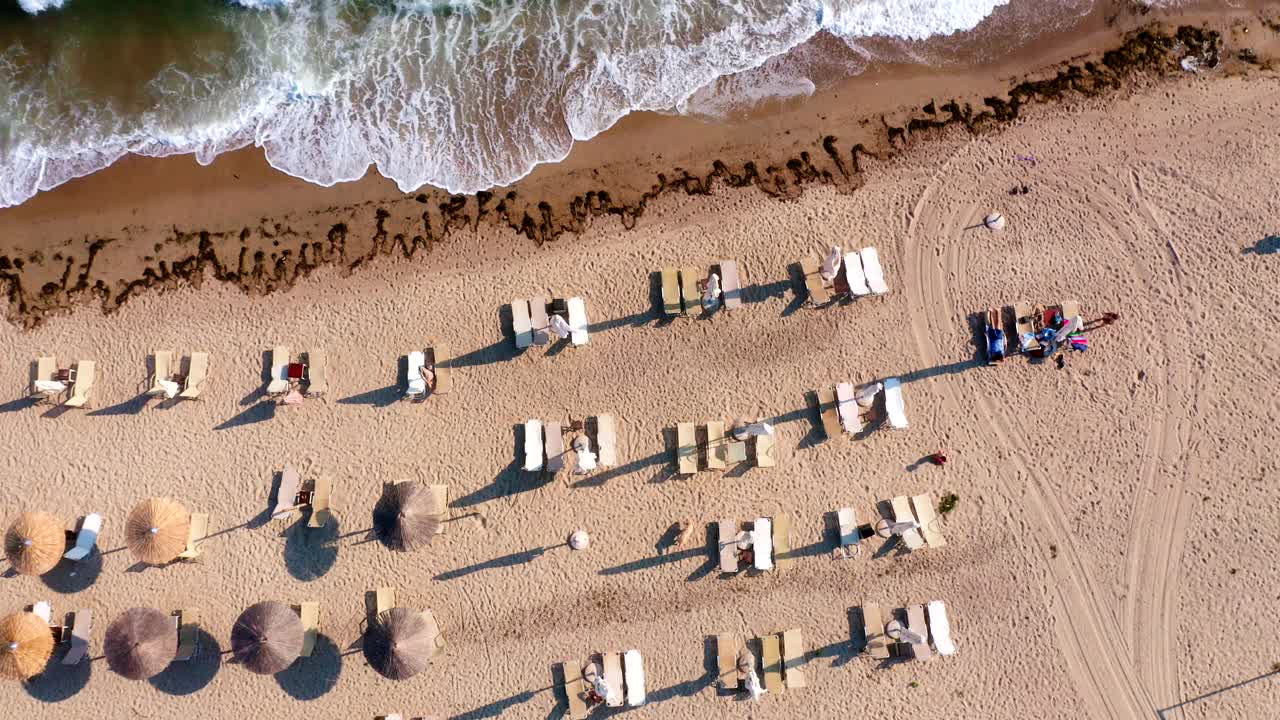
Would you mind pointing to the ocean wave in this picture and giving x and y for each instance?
(463, 96)
(38, 6)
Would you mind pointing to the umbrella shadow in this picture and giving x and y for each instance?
(518, 558)
(498, 708)
(379, 398)
(25, 402)
(309, 678)
(186, 677)
(1268, 245)
(132, 406)
(255, 413)
(59, 682)
(309, 553)
(501, 351)
(599, 478)
(511, 480)
(69, 576)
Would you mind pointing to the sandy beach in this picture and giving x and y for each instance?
(1110, 555)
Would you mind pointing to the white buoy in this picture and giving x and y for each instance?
(579, 540)
(994, 221)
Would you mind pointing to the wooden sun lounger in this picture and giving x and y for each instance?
(606, 441)
(782, 541)
(309, 613)
(81, 632)
(533, 445)
(792, 658)
(287, 494)
(730, 285)
(578, 321)
(317, 373)
(188, 621)
(894, 405)
(197, 373)
(902, 513)
(873, 272)
(633, 670)
(279, 382)
(689, 277)
(853, 275)
(728, 544)
(539, 320)
(670, 291)
(440, 498)
(197, 531)
(766, 446)
(847, 409)
(320, 502)
(715, 445)
(827, 411)
(612, 669)
(917, 625)
(819, 294)
(762, 549)
(441, 354)
(553, 439)
(384, 600)
(930, 525)
(433, 630)
(163, 360)
(46, 369)
(1023, 316)
(521, 324)
(574, 689)
(873, 629)
(848, 522)
(1070, 309)
(727, 649)
(86, 375)
(771, 655)
(686, 448)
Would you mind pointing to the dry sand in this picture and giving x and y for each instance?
(1111, 555)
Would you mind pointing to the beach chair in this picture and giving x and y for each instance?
(848, 522)
(930, 525)
(86, 538)
(86, 375)
(766, 447)
(578, 321)
(827, 411)
(633, 671)
(847, 409)
(197, 373)
(792, 658)
(539, 320)
(686, 448)
(606, 441)
(763, 547)
(440, 498)
(917, 626)
(730, 285)
(320, 496)
(873, 629)
(782, 542)
(1070, 309)
(893, 403)
(309, 613)
(611, 663)
(78, 639)
(188, 627)
(521, 324)
(819, 294)
(995, 342)
(715, 445)
(670, 292)
(164, 370)
(689, 278)
(384, 600)
(417, 388)
(46, 377)
(771, 657)
(533, 445)
(727, 649)
(574, 689)
(317, 373)
(287, 494)
(553, 439)
(197, 531)
(874, 273)
(902, 514)
(279, 382)
(853, 275)
(441, 355)
(940, 628)
(1024, 322)
(728, 544)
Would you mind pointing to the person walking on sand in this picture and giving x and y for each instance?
(939, 458)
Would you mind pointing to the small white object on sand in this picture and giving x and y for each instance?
(579, 540)
(994, 221)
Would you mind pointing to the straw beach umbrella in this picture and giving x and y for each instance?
(407, 516)
(401, 642)
(141, 643)
(267, 638)
(35, 542)
(25, 645)
(156, 531)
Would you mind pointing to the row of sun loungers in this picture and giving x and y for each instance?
(437, 359)
(544, 447)
(885, 639)
(719, 450)
(51, 383)
(293, 493)
(531, 320)
(287, 374)
(623, 676)
(779, 660)
(166, 380)
(859, 274)
(844, 408)
(768, 540)
(681, 291)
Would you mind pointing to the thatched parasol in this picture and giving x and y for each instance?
(400, 642)
(26, 642)
(407, 516)
(35, 542)
(141, 643)
(156, 531)
(267, 638)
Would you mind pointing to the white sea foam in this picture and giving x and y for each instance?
(37, 6)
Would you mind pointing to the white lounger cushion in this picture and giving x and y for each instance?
(87, 538)
(853, 274)
(763, 530)
(417, 361)
(578, 321)
(940, 628)
(893, 403)
(521, 324)
(633, 668)
(848, 526)
(847, 408)
(533, 445)
(875, 274)
(43, 610)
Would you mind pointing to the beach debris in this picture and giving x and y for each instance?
(994, 222)
(560, 327)
(831, 266)
(1027, 159)
(579, 540)
(683, 530)
(586, 460)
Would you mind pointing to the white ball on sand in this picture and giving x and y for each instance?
(579, 540)
(994, 221)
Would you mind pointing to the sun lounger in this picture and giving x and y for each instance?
(1023, 318)
(81, 631)
(521, 324)
(874, 273)
(1070, 309)
(287, 494)
(782, 542)
(940, 628)
(612, 663)
(46, 373)
(715, 445)
(792, 658)
(197, 373)
(831, 426)
(930, 525)
(553, 438)
(606, 441)
(728, 544)
(686, 448)
(87, 538)
(848, 523)
(309, 613)
(533, 445)
(730, 285)
(771, 655)
(441, 355)
(854, 276)
(893, 403)
(578, 321)
(766, 446)
(916, 623)
(633, 670)
(164, 370)
(847, 409)
(819, 294)
(440, 498)
(86, 374)
(902, 514)
(279, 383)
(539, 319)
(385, 599)
(727, 649)
(689, 277)
(317, 373)
(433, 629)
(417, 384)
(873, 629)
(763, 548)
(670, 291)
(197, 531)
(188, 626)
(574, 689)
(320, 493)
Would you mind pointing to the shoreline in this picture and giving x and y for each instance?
(247, 224)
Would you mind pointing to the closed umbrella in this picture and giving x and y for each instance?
(407, 516)
(35, 542)
(831, 266)
(25, 646)
(156, 531)
(267, 638)
(141, 643)
(401, 642)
